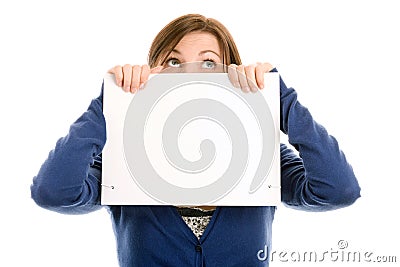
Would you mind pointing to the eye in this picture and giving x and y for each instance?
(208, 64)
(173, 62)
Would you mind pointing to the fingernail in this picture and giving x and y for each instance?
(246, 89)
(261, 86)
(141, 86)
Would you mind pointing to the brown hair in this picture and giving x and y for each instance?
(171, 34)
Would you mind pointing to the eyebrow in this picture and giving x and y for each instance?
(201, 52)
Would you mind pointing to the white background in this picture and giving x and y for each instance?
(341, 56)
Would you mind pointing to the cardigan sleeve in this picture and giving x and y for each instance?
(318, 177)
(69, 180)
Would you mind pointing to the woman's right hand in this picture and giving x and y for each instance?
(132, 78)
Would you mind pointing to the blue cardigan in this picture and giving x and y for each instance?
(319, 179)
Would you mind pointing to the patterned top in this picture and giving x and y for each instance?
(196, 219)
(197, 224)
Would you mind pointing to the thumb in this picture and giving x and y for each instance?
(157, 69)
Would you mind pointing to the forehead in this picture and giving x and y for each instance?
(198, 40)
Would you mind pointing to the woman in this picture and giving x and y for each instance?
(321, 179)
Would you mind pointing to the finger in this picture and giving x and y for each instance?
(251, 77)
(127, 72)
(144, 75)
(268, 67)
(135, 82)
(261, 69)
(117, 71)
(260, 76)
(242, 79)
(233, 76)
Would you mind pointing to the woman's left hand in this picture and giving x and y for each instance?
(250, 77)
